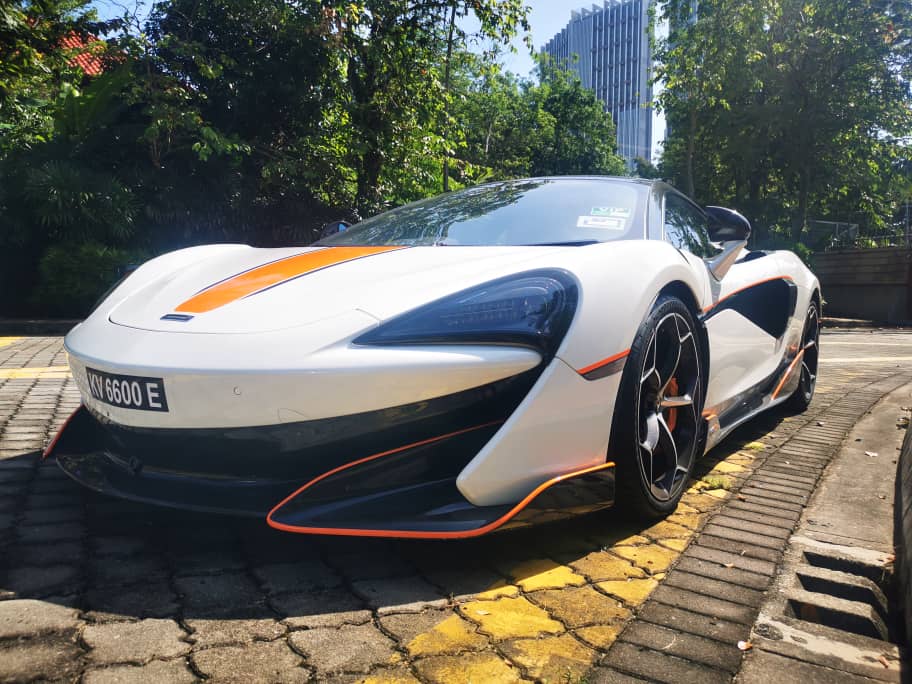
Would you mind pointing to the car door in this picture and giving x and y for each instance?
(742, 351)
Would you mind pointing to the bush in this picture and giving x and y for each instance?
(71, 278)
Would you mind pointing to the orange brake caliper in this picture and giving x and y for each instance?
(672, 418)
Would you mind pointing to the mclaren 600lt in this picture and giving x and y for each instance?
(511, 353)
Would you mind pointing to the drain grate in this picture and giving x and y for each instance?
(841, 592)
(852, 566)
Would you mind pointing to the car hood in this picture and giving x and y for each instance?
(248, 290)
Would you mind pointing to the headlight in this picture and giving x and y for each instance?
(531, 309)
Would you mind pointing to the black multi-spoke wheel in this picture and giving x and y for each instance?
(810, 353)
(658, 421)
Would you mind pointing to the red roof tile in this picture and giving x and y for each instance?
(86, 53)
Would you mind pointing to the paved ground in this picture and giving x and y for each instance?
(109, 591)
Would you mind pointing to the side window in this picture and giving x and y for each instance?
(654, 226)
(686, 227)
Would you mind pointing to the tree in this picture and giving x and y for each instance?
(787, 109)
(394, 51)
(514, 127)
(35, 67)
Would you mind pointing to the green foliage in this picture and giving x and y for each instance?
(515, 128)
(72, 276)
(789, 109)
(34, 67)
(257, 121)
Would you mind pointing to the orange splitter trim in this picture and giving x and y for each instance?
(416, 534)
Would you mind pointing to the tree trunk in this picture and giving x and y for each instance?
(446, 100)
(799, 221)
(688, 160)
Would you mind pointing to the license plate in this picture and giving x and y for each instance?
(128, 391)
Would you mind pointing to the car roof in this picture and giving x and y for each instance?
(615, 179)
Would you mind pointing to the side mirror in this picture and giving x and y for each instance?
(732, 230)
(333, 227)
(726, 225)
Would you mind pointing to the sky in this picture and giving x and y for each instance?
(547, 18)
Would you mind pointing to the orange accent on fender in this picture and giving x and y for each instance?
(50, 447)
(603, 362)
(276, 272)
(414, 534)
(746, 287)
(788, 373)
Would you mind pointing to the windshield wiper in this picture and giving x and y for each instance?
(567, 243)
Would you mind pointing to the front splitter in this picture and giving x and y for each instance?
(406, 492)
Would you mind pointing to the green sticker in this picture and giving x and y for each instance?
(615, 212)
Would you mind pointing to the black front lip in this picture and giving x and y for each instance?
(409, 493)
(246, 471)
(390, 473)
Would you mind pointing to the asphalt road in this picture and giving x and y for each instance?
(99, 590)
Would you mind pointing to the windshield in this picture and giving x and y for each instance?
(526, 212)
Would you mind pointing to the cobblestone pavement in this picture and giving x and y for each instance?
(98, 590)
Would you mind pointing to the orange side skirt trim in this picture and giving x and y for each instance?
(414, 534)
(271, 274)
(603, 362)
(788, 373)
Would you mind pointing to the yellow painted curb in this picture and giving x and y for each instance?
(34, 373)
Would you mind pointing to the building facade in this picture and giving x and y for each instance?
(614, 60)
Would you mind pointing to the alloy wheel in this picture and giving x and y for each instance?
(667, 420)
(810, 343)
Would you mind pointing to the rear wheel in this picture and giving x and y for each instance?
(657, 423)
(810, 344)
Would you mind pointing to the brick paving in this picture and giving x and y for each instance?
(99, 590)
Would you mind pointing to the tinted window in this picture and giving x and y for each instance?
(686, 227)
(527, 212)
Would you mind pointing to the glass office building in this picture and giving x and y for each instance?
(615, 61)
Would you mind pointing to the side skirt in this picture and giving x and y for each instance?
(771, 391)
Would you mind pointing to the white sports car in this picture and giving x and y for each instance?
(493, 357)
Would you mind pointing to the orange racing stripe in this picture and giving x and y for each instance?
(272, 274)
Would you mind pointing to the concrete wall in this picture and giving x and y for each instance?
(872, 284)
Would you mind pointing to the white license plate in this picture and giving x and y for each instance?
(128, 391)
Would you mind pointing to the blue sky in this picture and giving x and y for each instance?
(547, 18)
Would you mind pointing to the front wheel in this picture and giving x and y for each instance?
(810, 354)
(657, 423)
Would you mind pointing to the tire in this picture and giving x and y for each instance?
(658, 422)
(801, 398)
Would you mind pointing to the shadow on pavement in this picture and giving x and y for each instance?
(116, 559)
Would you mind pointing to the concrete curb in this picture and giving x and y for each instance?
(902, 525)
(712, 596)
(858, 323)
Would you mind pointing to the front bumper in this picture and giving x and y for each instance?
(406, 490)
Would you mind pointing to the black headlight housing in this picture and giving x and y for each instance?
(530, 309)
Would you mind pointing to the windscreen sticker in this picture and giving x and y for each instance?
(616, 212)
(603, 222)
